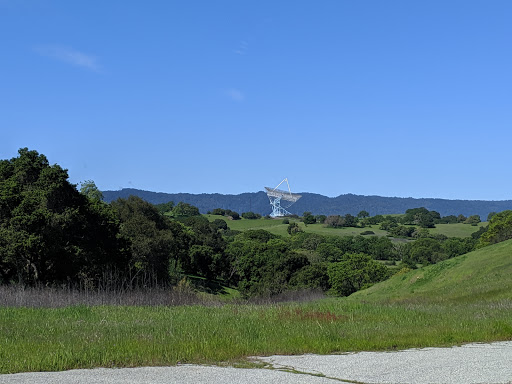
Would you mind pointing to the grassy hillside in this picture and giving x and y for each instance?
(457, 230)
(277, 227)
(484, 274)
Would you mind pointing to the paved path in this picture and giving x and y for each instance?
(472, 363)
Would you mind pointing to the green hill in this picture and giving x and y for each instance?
(277, 227)
(484, 274)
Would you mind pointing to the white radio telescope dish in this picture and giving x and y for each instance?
(281, 200)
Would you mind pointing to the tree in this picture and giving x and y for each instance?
(234, 215)
(374, 219)
(165, 207)
(320, 218)
(329, 252)
(473, 220)
(184, 210)
(219, 225)
(251, 215)
(89, 189)
(402, 231)
(293, 228)
(420, 216)
(363, 214)
(150, 239)
(355, 272)
(263, 268)
(311, 276)
(490, 215)
(334, 221)
(50, 232)
(350, 221)
(201, 259)
(499, 229)
(308, 218)
(219, 211)
(461, 218)
(427, 251)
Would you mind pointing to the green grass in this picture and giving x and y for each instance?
(456, 230)
(484, 274)
(277, 227)
(83, 337)
(465, 299)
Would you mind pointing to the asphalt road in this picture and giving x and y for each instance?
(472, 363)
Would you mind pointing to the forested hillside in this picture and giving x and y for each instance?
(53, 234)
(318, 204)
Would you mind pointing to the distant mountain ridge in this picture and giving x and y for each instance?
(318, 204)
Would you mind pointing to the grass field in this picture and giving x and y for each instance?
(457, 230)
(481, 275)
(277, 227)
(465, 299)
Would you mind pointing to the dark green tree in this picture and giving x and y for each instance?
(251, 216)
(308, 218)
(473, 220)
(184, 210)
(313, 276)
(498, 230)
(320, 218)
(363, 214)
(165, 207)
(355, 272)
(150, 239)
(293, 228)
(49, 232)
(335, 221)
(264, 268)
(219, 225)
(89, 189)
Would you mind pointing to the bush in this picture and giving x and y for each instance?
(293, 228)
(356, 272)
(367, 233)
(311, 276)
(499, 229)
(251, 216)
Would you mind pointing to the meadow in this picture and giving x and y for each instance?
(461, 300)
(277, 227)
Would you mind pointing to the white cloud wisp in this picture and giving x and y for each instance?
(70, 56)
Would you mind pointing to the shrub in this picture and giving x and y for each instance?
(251, 216)
(356, 272)
(499, 229)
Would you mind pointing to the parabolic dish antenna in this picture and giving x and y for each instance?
(281, 200)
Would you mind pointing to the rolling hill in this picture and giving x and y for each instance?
(481, 275)
(318, 204)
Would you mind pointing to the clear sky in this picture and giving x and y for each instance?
(391, 98)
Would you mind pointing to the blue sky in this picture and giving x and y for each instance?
(390, 98)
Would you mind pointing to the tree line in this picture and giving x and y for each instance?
(53, 233)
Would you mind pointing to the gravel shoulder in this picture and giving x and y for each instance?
(471, 363)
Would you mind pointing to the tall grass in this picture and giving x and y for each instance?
(182, 294)
(465, 299)
(46, 297)
(119, 336)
